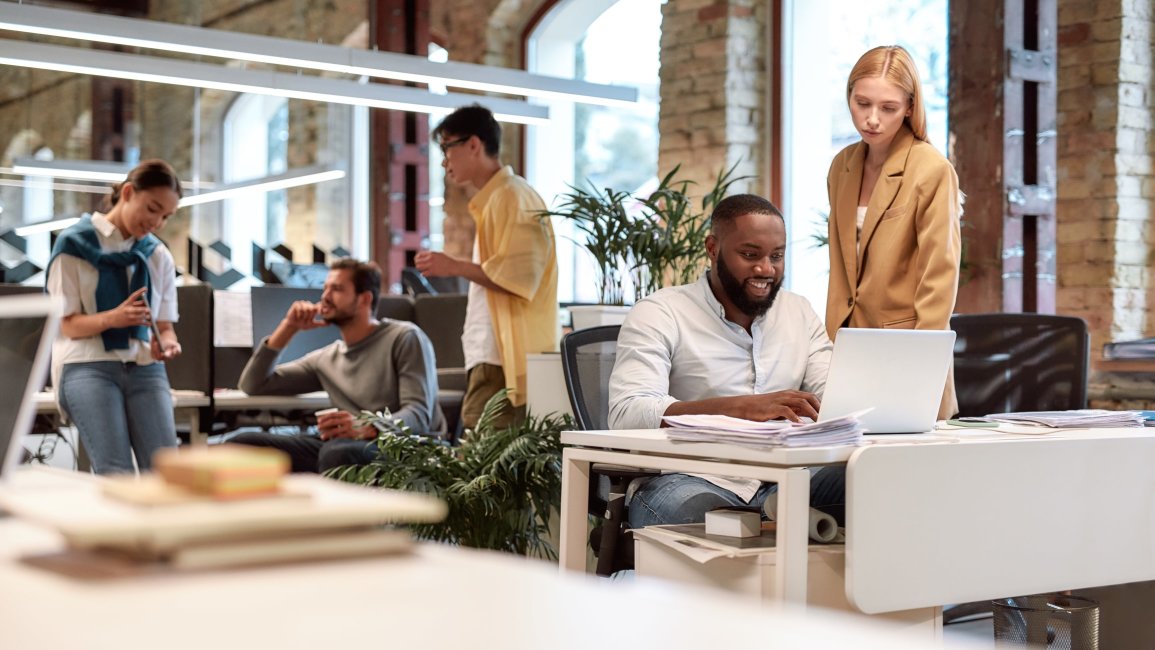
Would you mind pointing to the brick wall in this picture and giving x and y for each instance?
(713, 89)
(489, 32)
(1106, 191)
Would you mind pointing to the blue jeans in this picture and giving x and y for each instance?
(121, 410)
(684, 499)
(310, 453)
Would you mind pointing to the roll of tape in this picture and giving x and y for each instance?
(822, 528)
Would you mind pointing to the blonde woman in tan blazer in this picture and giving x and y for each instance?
(894, 210)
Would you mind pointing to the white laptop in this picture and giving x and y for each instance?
(898, 374)
(28, 326)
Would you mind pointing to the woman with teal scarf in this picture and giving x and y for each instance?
(117, 281)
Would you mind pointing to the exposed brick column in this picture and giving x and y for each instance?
(1105, 189)
(475, 31)
(713, 80)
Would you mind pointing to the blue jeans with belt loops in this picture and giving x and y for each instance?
(121, 410)
(685, 499)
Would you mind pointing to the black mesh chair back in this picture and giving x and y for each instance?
(587, 359)
(414, 283)
(1005, 363)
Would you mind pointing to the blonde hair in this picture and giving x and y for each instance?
(894, 64)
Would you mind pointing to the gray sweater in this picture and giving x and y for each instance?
(393, 368)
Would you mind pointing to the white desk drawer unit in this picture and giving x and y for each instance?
(753, 575)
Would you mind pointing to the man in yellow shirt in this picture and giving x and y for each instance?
(512, 309)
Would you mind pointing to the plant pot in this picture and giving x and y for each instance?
(584, 316)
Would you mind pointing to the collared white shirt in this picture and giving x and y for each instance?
(676, 345)
(74, 280)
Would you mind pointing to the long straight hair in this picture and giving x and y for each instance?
(894, 64)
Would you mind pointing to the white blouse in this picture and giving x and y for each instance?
(74, 280)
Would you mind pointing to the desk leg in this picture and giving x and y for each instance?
(575, 486)
(793, 536)
(195, 435)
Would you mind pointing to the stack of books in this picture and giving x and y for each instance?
(1075, 419)
(773, 433)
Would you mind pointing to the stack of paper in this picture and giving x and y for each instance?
(773, 433)
(1076, 419)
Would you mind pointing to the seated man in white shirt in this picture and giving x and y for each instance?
(731, 343)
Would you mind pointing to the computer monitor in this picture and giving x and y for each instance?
(28, 326)
(269, 305)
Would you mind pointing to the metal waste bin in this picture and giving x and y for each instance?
(1046, 621)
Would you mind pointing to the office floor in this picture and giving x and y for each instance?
(980, 632)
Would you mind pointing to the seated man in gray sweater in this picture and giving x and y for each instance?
(376, 365)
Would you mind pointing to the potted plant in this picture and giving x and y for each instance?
(651, 241)
(502, 486)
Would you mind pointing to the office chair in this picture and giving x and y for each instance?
(1004, 363)
(414, 283)
(587, 358)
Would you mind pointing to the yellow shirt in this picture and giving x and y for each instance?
(516, 249)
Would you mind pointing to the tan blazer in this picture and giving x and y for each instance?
(905, 273)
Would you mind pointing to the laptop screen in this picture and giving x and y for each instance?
(27, 327)
(898, 374)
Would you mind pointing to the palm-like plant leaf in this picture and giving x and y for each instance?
(501, 485)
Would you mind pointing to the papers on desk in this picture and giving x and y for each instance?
(1076, 419)
(772, 433)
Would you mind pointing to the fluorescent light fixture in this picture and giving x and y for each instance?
(82, 170)
(45, 226)
(185, 39)
(289, 179)
(55, 186)
(263, 82)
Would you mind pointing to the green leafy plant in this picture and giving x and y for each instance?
(502, 486)
(654, 240)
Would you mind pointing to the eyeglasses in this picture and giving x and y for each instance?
(446, 146)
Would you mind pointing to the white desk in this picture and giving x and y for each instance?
(436, 597)
(235, 400)
(184, 402)
(998, 515)
(950, 517)
(187, 403)
(650, 449)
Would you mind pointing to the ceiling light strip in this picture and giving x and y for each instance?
(135, 32)
(289, 179)
(82, 170)
(266, 82)
(45, 226)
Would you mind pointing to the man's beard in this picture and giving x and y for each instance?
(338, 317)
(736, 292)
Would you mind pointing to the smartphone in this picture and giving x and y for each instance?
(151, 320)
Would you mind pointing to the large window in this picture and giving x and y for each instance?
(256, 132)
(259, 139)
(822, 41)
(602, 41)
